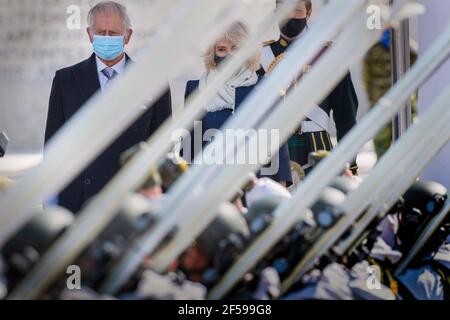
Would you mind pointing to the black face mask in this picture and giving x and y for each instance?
(218, 60)
(294, 27)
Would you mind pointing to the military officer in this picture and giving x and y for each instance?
(313, 133)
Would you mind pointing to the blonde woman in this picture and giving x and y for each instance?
(235, 90)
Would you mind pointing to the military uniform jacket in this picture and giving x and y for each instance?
(342, 100)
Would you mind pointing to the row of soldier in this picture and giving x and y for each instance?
(364, 272)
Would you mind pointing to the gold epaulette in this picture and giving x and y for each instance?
(268, 43)
(274, 63)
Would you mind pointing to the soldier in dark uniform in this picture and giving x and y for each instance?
(313, 132)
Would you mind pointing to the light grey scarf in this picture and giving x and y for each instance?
(225, 98)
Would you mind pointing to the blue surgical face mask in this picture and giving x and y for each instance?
(108, 47)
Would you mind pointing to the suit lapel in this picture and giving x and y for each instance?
(128, 60)
(87, 78)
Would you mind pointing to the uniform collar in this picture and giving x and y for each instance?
(283, 42)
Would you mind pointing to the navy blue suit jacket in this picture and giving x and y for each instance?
(72, 87)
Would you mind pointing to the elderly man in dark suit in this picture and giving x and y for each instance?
(109, 31)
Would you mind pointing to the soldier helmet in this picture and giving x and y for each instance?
(154, 178)
(422, 201)
(228, 222)
(133, 218)
(26, 246)
(326, 210)
(171, 169)
(344, 184)
(264, 188)
(427, 196)
(260, 214)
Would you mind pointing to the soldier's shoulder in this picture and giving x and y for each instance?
(268, 43)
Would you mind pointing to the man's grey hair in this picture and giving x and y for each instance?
(108, 7)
